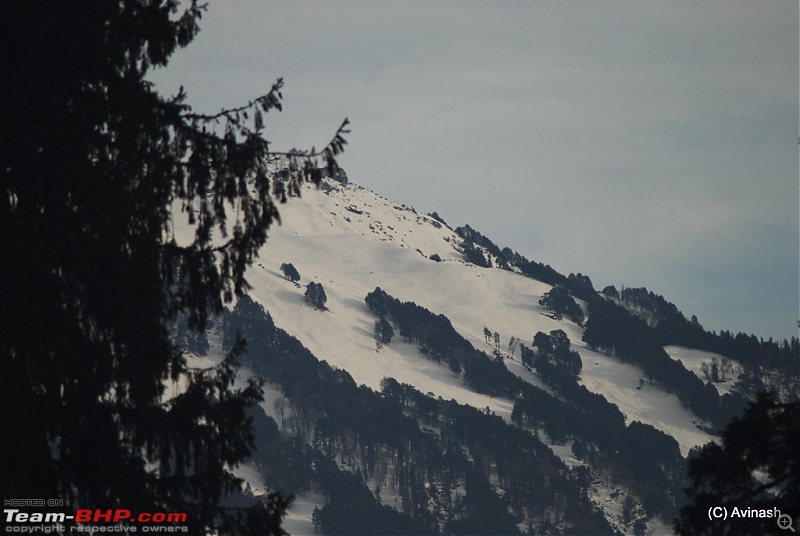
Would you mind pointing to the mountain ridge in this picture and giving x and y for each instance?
(352, 241)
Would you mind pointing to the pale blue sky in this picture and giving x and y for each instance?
(642, 143)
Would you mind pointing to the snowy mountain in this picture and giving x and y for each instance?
(459, 418)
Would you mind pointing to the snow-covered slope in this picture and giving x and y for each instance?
(352, 240)
(696, 361)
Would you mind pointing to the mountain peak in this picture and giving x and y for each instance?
(626, 403)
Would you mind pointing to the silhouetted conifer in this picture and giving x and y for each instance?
(95, 167)
(290, 272)
(756, 466)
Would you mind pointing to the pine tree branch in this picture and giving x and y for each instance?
(271, 99)
(759, 490)
(334, 147)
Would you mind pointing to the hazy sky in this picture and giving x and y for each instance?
(641, 143)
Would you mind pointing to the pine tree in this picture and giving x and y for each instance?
(756, 465)
(95, 167)
(316, 520)
(383, 331)
(512, 343)
(315, 295)
(487, 334)
(290, 272)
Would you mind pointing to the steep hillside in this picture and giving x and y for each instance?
(469, 383)
(388, 246)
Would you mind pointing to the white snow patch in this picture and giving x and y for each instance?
(298, 519)
(351, 254)
(250, 473)
(693, 360)
(618, 383)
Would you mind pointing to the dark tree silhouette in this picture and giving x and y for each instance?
(95, 166)
(383, 331)
(757, 466)
(315, 295)
(487, 334)
(561, 302)
(290, 272)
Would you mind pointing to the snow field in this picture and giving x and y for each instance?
(351, 240)
(317, 238)
(693, 361)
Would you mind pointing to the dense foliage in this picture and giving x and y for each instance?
(756, 466)
(562, 304)
(95, 168)
(553, 349)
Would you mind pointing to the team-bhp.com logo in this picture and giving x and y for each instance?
(93, 520)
